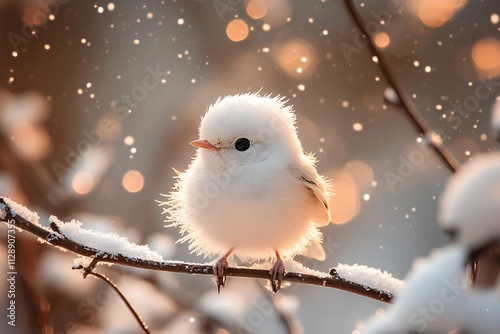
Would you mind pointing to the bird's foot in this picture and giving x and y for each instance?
(220, 272)
(277, 274)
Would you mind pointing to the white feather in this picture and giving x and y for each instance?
(265, 199)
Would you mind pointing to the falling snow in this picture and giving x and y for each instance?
(346, 111)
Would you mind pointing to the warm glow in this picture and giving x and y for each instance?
(296, 58)
(237, 30)
(133, 181)
(436, 138)
(34, 15)
(278, 12)
(494, 18)
(344, 205)
(362, 174)
(129, 140)
(357, 127)
(436, 13)
(382, 40)
(256, 9)
(82, 183)
(486, 56)
(30, 141)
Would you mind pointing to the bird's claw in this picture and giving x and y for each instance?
(277, 274)
(220, 272)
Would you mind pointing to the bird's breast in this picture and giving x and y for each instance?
(250, 205)
(256, 210)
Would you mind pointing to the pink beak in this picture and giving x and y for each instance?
(201, 143)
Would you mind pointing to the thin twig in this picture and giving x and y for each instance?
(289, 325)
(187, 301)
(59, 240)
(124, 299)
(442, 152)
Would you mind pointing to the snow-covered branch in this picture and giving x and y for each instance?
(89, 244)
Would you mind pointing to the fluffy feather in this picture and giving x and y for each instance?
(267, 198)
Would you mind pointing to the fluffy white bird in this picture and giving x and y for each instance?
(250, 191)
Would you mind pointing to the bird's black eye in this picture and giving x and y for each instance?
(242, 144)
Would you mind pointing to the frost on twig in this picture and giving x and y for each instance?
(89, 244)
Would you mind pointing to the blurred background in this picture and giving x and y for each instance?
(99, 100)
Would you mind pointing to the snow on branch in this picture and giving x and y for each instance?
(113, 249)
(369, 276)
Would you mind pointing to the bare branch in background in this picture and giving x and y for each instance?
(446, 157)
(123, 298)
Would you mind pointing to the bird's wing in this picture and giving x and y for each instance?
(315, 251)
(317, 185)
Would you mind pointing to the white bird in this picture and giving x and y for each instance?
(250, 190)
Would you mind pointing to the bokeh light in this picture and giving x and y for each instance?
(82, 182)
(256, 9)
(278, 12)
(357, 127)
(344, 205)
(296, 58)
(133, 181)
(486, 56)
(436, 13)
(237, 30)
(382, 40)
(494, 18)
(129, 140)
(30, 141)
(362, 174)
(35, 15)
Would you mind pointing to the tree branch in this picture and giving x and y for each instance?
(137, 317)
(9, 216)
(442, 152)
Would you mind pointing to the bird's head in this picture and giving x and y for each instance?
(247, 129)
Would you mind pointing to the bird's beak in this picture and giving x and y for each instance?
(201, 143)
